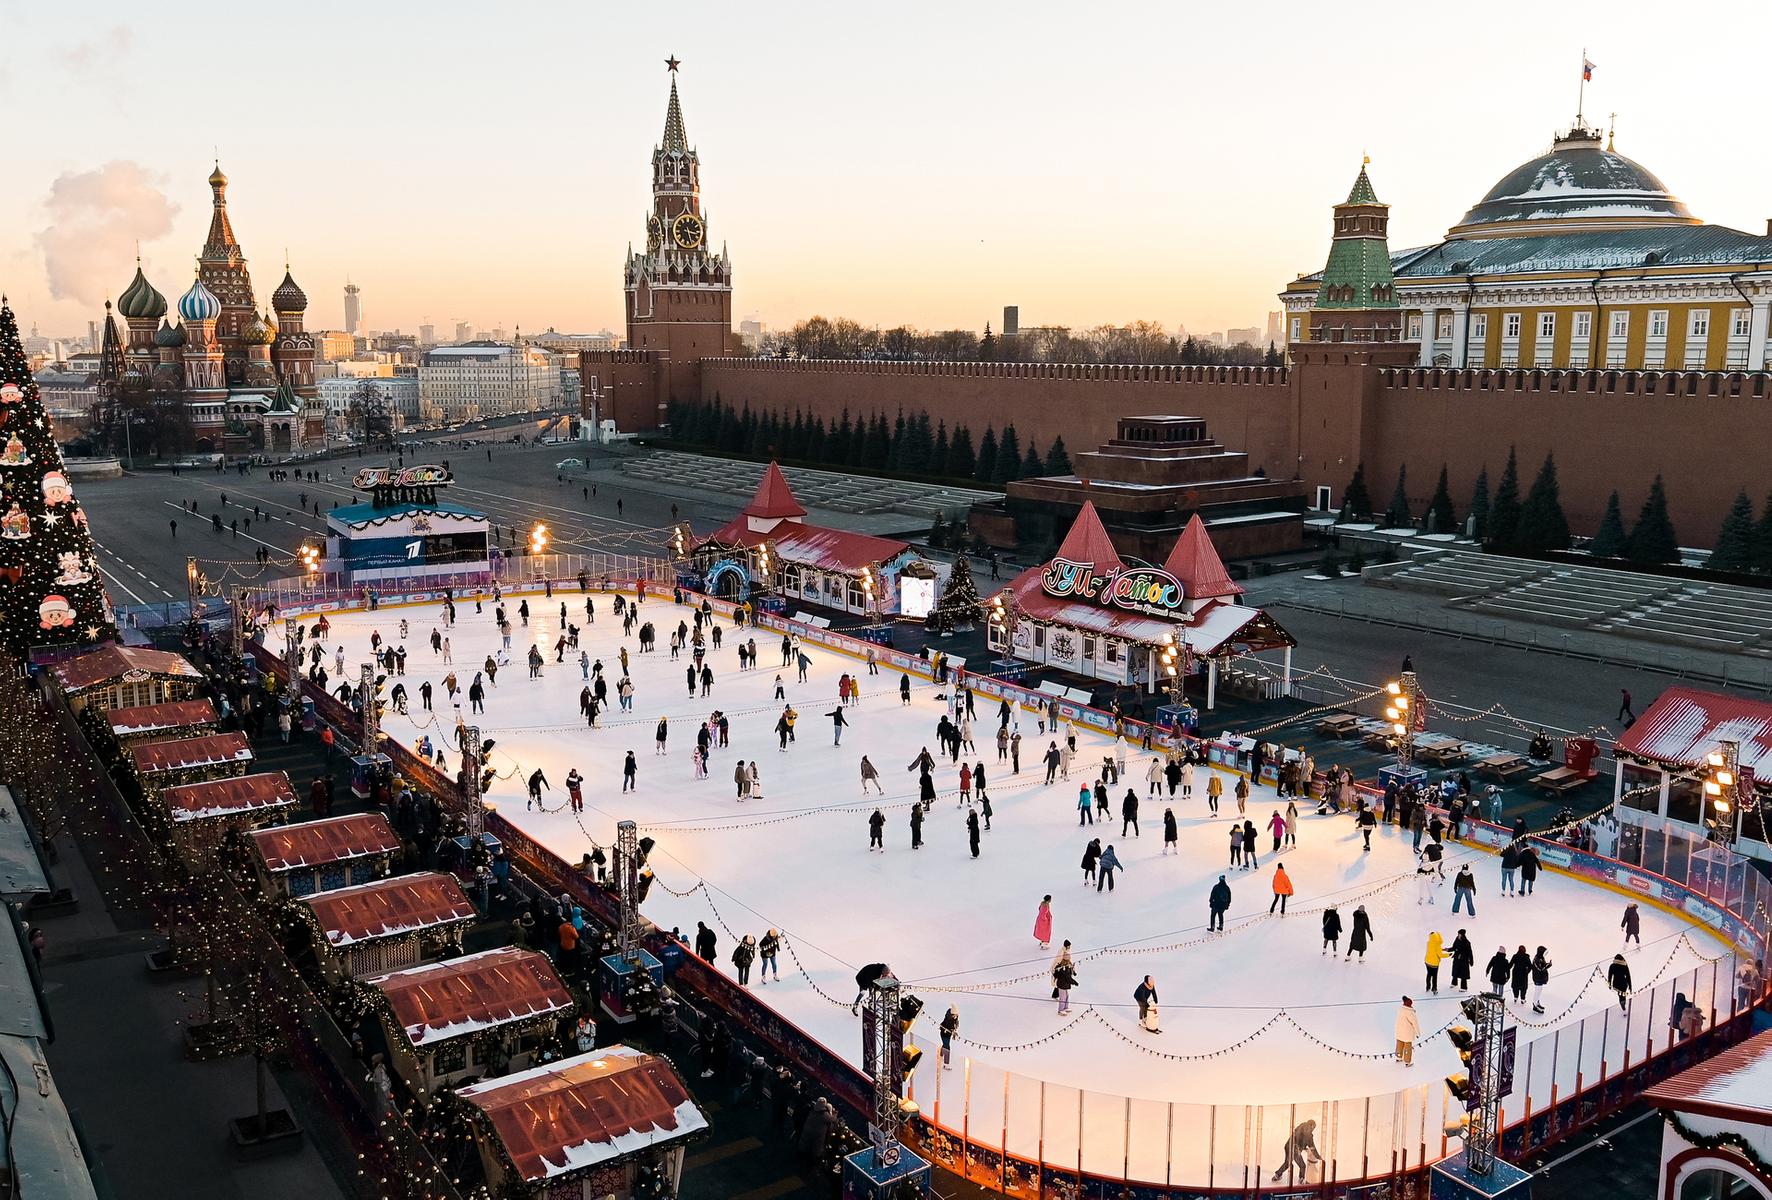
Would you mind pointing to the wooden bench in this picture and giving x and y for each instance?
(1338, 725)
(1561, 779)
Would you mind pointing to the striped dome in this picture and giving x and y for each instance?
(289, 298)
(199, 304)
(139, 300)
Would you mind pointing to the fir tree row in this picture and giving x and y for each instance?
(908, 445)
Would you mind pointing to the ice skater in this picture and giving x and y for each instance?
(1064, 978)
(972, 831)
(877, 832)
(1408, 1032)
(1331, 930)
(1146, 995)
(1171, 835)
(1632, 924)
(1618, 979)
(1105, 868)
(1043, 923)
(1282, 889)
(630, 771)
(1464, 956)
(1432, 958)
(1218, 902)
(870, 774)
(1360, 936)
(537, 781)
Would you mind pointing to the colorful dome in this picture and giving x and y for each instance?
(199, 304)
(259, 331)
(170, 336)
(289, 297)
(139, 300)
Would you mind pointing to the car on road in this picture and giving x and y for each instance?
(569, 464)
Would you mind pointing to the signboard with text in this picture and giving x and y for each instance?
(1148, 590)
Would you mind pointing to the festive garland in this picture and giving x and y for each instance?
(1720, 1141)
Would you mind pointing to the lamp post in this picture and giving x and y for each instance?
(1403, 711)
(1722, 791)
(1170, 660)
(538, 543)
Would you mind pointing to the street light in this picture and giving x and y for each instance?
(1721, 790)
(538, 538)
(1404, 712)
(1170, 659)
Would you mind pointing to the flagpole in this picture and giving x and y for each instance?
(1581, 90)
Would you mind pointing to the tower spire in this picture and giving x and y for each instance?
(676, 141)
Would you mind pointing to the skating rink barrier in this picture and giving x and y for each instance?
(1030, 1138)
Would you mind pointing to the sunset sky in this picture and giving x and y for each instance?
(921, 163)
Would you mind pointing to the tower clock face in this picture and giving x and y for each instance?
(654, 232)
(687, 231)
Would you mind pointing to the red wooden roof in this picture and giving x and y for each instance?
(439, 1001)
(774, 498)
(181, 754)
(581, 1111)
(1195, 562)
(111, 663)
(1685, 724)
(1736, 1085)
(152, 718)
(226, 797)
(316, 843)
(389, 907)
(1088, 542)
(836, 550)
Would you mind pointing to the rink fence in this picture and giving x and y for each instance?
(1032, 1138)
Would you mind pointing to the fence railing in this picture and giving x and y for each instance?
(1031, 1137)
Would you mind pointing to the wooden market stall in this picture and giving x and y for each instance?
(151, 722)
(373, 928)
(204, 814)
(113, 676)
(318, 856)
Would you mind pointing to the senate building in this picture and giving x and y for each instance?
(1578, 258)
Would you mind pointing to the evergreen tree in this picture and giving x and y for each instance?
(879, 442)
(938, 458)
(1356, 502)
(839, 449)
(987, 456)
(796, 439)
(1440, 516)
(895, 449)
(919, 445)
(730, 432)
(1479, 510)
(938, 531)
(1058, 459)
(1396, 514)
(50, 590)
(1762, 543)
(958, 606)
(1542, 523)
(1031, 466)
(1609, 539)
(987, 345)
(1735, 540)
(1273, 357)
(748, 425)
(962, 461)
(815, 441)
(1008, 458)
(1653, 541)
(1504, 514)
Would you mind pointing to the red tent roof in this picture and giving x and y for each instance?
(1195, 562)
(1736, 1085)
(1685, 724)
(229, 797)
(184, 754)
(774, 497)
(838, 550)
(464, 995)
(316, 843)
(1088, 542)
(112, 664)
(390, 907)
(576, 1113)
(156, 718)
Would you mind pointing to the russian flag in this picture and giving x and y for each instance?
(1587, 71)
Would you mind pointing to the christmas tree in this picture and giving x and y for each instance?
(958, 606)
(50, 591)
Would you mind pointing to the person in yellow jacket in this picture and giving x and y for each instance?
(1435, 953)
(1214, 789)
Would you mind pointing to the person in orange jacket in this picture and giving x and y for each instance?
(1282, 889)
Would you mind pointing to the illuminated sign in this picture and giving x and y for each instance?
(1148, 590)
(370, 478)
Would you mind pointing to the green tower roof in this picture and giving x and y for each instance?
(1362, 192)
(1358, 274)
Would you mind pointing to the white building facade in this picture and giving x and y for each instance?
(486, 379)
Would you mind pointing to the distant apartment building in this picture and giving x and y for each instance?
(332, 344)
(486, 379)
(353, 307)
(464, 332)
(1237, 337)
(399, 392)
(427, 335)
(750, 332)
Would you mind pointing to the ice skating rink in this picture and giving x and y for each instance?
(959, 931)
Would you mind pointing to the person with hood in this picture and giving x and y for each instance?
(1464, 890)
(1464, 956)
(1217, 903)
(1541, 973)
(767, 949)
(1171, 835)
(1129, 813)
(1146, 995)
(1632, 924)
(1276, 825)
(1064, 978)
(1435, 953)
(743, 955)
(1249, 846)
(1331, 930)
(705, 942)
(917, 826)
(877, 832)
(1282, 889)
(1498, 970)
(1043, 922)
(1618, 978)
(904, 689)
(1091, 857)
(870, 774)
(1105, 868)
(950, 1025)
(926, 790)
(1214, 789)
(1408, 1031)
(816, 1132)
(1361, 936)
(1300, 1152)
(1519, 973)
(972, 830)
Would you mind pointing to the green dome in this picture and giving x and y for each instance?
(139, 300)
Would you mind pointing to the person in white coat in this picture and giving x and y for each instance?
(1408, 1031)
(1154, 778)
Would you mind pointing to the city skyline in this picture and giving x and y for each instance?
(1133, 190)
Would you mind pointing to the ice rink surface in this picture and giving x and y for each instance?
(959, 930)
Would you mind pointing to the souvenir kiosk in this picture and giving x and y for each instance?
(403, 531)
(1093, 613)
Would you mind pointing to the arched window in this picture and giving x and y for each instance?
(1718, 1183)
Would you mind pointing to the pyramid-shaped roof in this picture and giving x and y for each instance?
(1195, 562)
(1361, 192)
(1088, 542)
(774, 497)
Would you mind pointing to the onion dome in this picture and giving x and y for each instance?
(259, 331)
(216, 178)
(169, 336)
(199, 304)
(139, 300)
(289, 298)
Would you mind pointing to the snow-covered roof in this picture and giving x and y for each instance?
(330, 840)
(439, 1001)
(1685, 724)
(836, 550)
(1577, 179)
(389, 907)
(229, 797)
(576, 1113)
(112, 664)
(157, 718)
(185, 754)
(1213, 627)
(1735, 1085)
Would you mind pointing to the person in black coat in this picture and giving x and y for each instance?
(1463, 956)
(1361, 935)
(972, 831)
(1129, 813)
(865, 980)
(1331, 931)
(877, 831)
(926, 789)
(1217, 903)
(1519, 973)
(917, 826)
(1498, 970)
(1091, 856)
(705, 942)
(1171, 835)
(1618, 978)
(1528, 868)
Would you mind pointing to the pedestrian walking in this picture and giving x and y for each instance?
(1408, 1030)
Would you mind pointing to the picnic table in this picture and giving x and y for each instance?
(1439, 749)
(1376, 735)
(1561, 779)
(1338, 725)
(1503, 766)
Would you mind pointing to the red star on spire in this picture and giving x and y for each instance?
(671, 65)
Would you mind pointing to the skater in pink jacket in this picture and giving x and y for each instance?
(1043, 923)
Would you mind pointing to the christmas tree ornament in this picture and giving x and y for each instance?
(15, 525)
(56, 489)
(11, 393)
(15, 454)
(55, 613)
